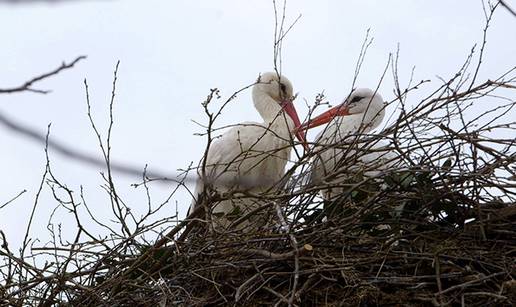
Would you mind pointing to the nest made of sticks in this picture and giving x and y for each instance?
(343, 261)
(438, 230)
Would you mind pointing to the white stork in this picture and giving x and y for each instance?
(252, 156)
(340, 150)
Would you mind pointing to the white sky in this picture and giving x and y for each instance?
(173, 52)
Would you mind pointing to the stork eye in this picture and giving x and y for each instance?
(283, 88)
(356, 99)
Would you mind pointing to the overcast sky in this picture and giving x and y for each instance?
(173, 52)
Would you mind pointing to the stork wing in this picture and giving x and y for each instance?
(243, 157)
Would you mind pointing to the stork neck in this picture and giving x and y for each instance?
(373, 117)
(272, 113)
(362, 122)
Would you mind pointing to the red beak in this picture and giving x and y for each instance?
(289, 108)
(340, 110)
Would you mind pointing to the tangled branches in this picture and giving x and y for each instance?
(452, 242)
(437, 228)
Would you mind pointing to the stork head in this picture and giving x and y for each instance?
(278, 93)
(362, 101)
(278, 87)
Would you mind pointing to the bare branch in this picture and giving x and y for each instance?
(27, 86)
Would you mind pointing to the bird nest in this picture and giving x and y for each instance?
(439, 229)
(363, 257)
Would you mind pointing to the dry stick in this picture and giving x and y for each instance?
(271, 255)
(164, 240)
(28, 284)
(192, 218)
(107, 154)
(242, 287)
(507, 7)
(293, 243)
(279, 295)
(474, 149)
(13, 199)
(484, 41)
(494, 295)
(115, 204)
(29, 268)
(437, 266)
(469, 283)
(361, 57)
(63, 268)
(27, 231)
(61, 280)
(27, 85)
(206, 185)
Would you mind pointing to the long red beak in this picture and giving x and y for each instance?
(340, 110)
(289, 108)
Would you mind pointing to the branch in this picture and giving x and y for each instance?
(507, 7)
(27, 86)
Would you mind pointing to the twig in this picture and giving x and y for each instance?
(27, 86)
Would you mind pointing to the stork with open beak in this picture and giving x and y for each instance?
(252, 156)
(340, 152)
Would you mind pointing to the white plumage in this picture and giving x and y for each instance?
(252, 156)
(342, 149)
